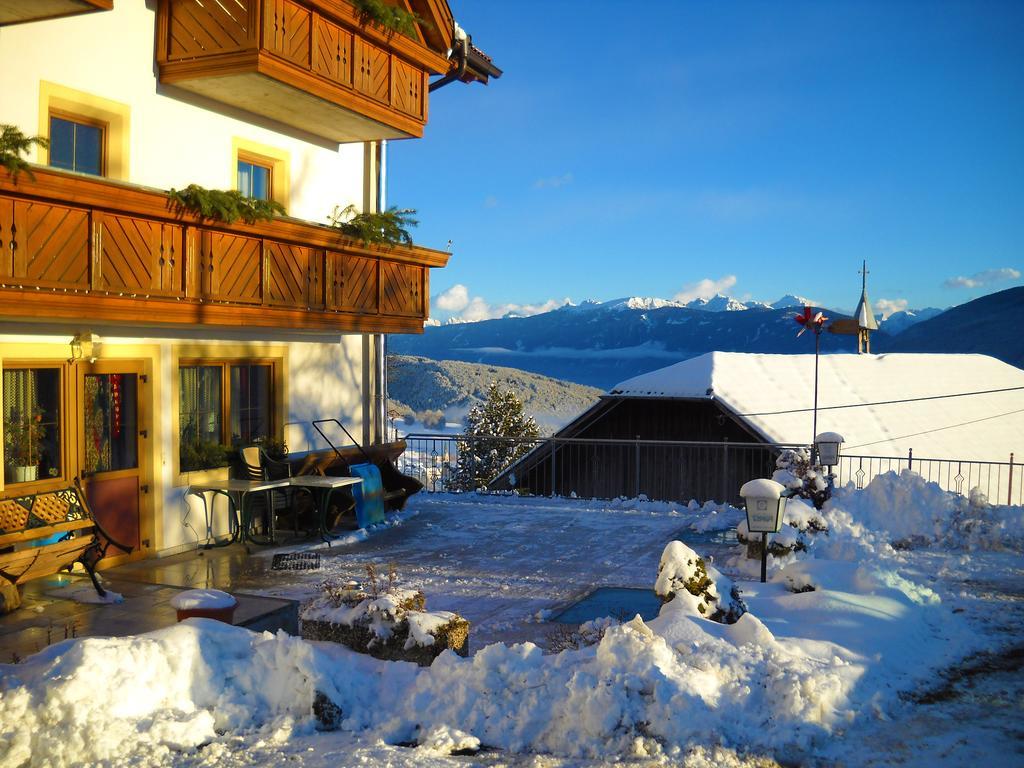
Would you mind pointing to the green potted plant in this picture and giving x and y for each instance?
(23, 446)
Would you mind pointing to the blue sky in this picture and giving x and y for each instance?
(760, 148)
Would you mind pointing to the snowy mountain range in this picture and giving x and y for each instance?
(603, 343)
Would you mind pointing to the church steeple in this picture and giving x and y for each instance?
(865, 317)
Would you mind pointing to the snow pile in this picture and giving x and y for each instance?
(915, 512)
(839, 631)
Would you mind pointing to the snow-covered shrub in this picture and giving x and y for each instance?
(795, 472)
(683, 575)
(390, 624)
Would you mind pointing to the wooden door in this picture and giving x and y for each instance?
(111, 442)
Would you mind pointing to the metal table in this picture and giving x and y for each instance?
(236, 492)
(321, 487)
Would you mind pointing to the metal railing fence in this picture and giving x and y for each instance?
(660, 469)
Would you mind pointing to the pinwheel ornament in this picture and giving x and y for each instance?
(807, 320)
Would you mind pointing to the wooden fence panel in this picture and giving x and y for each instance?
(139, 256)
(406, 88)
(371, 75)
(197, 28)
(332, 52)
(231, 268)
(51, 245)
(8, 234)
(401, 289)
(357, 291)
(286, 30)
(287, 274)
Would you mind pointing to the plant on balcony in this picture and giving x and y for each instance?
(13, 145)
(388, 17)
(198, 454)
(224, 205)
(389, 227)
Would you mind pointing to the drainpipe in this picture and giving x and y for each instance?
(460, 49)
(380, 340)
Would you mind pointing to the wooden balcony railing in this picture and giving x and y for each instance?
(18, 11)
(75, 247)
(306, 63)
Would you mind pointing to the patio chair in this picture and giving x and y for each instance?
(258, 466)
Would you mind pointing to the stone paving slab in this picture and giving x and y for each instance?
(48, 617)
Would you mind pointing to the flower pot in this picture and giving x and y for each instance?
(205, 604)
(26, 474)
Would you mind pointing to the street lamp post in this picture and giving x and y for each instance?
(766, 505)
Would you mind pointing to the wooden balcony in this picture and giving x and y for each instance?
(18, 11)
(83, 248)
(307, 63)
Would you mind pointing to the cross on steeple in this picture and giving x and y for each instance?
(864, 272)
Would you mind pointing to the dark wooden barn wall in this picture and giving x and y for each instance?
(671, 473)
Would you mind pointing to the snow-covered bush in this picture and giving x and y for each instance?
(684, 576)
(800, 523)
(388, 624)
(566, 637)
(795, 472)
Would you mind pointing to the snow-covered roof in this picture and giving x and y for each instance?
(774, 394)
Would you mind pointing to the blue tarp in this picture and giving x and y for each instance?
(369, 494)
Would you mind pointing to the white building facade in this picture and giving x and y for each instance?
(134, 335)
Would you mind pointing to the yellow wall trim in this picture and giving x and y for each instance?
(277, 159)
(115, 115)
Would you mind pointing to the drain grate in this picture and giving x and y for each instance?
(296, 561)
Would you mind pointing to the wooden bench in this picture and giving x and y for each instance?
(25, 520)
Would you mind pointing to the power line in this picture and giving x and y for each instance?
(885, 402)
(937, 429)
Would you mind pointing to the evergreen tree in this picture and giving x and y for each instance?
(485, 449)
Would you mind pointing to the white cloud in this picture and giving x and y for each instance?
(979, 279)
(886, 307)
(705, 289)
(457, 306)
(455, 299)
(554, 182)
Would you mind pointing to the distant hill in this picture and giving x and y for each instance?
(417, 385)
(990, 325)
(601, 344)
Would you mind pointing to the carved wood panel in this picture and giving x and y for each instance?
(286, 27)
(139, 256)
(401, 289)
(353, 284)
(371, 74)
(48, 245)
(317, 279)
(8, 235)
(406, 88)
(332, 52)
(287, 274)
(230, 268)
(199, 27)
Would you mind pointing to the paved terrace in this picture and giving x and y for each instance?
(503, 563)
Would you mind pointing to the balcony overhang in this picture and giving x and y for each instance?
(309, 64)
(20, 11)
(74, 247)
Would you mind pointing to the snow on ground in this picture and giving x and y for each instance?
(867, 669)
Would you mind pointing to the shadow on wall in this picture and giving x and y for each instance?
(325, 382)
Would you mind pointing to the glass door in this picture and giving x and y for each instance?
(111, 446)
